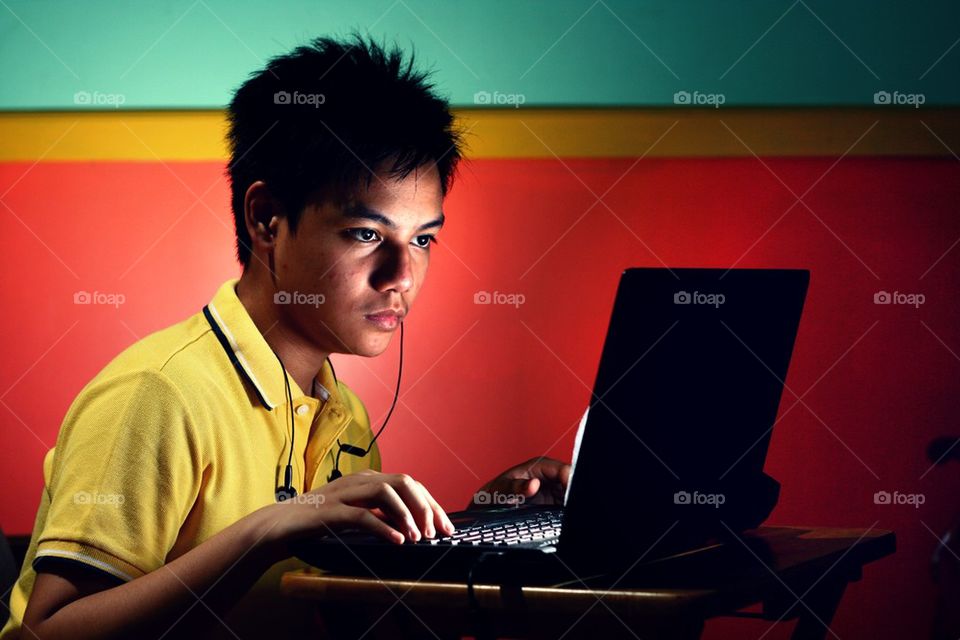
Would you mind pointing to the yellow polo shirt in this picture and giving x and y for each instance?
(181, 435)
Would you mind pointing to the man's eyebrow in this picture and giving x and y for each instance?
(433, 223)
(362, 212)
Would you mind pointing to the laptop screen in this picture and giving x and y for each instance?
(685, 398)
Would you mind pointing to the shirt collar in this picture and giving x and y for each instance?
(249, 352)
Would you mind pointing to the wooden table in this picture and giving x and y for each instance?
(791, 572)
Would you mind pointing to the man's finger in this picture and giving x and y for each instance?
(526, 487)
(549, 469)
(416, 501)
(365, 519)
(439, 514)
(383, 495)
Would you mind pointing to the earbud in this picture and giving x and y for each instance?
(352, 450)
(283, 493)
(287, 491)
(265, 228)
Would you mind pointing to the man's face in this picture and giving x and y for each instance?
(365, 257)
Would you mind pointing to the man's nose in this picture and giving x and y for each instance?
(396, 272)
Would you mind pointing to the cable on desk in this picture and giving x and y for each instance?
(484, 628)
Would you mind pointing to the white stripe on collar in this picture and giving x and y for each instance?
(240, 358)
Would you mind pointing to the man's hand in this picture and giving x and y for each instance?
(70, 602)
(536, 481)
(393, 506)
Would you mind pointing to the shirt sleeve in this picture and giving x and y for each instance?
(126, 471)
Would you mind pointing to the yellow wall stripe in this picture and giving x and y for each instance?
(150, 136)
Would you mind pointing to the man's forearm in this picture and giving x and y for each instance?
(183, 597)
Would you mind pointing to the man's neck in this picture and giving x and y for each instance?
(301, 360)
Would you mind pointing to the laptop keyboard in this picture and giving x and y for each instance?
(531, 529)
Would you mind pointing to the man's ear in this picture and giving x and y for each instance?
(262, 217)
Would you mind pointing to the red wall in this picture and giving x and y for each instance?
(481, 389)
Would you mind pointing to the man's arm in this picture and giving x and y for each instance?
(75, 604)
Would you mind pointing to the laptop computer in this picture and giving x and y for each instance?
(672, 452)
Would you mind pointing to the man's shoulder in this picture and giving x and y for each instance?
(179, 356)
(146, 388)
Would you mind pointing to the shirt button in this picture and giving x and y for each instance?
(302, 410)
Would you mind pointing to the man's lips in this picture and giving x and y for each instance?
(386, 313)
(386, 319)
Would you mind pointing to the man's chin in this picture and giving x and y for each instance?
(375, 348)
(370, 347)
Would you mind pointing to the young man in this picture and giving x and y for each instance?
(160, 512)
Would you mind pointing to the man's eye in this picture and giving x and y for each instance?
(366, 236)
(424, 241)
(363, 234)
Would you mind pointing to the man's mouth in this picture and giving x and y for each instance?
(386, 319)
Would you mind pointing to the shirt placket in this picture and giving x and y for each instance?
(330, 423)
(304, 409)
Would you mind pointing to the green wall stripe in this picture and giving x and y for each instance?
(194, 53)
